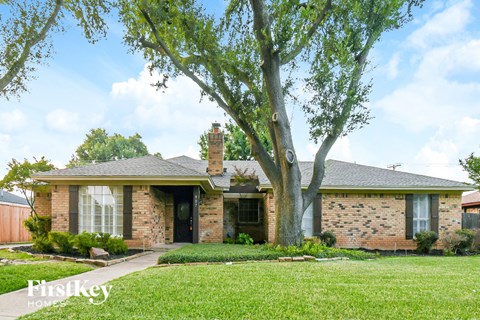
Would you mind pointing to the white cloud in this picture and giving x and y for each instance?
(392, 66)
(439, 156)
(172, 116)
(443, 26)
(13, 121)
(63, 121)
(341, 150)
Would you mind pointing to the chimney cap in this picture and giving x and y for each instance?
(216, 125)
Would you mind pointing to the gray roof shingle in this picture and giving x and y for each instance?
(11, 198)
(338, 174)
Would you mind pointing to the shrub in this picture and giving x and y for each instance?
(63, 240)
(86, 240)
(425, 241)
(451, 242)
(476, 240)
(116, 246)
(328, 238)
(229, 241)
(38, 226)
(244, 238)
(42, 244)
(102, 239)
(466, 244)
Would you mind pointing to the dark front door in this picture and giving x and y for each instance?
(183, 228)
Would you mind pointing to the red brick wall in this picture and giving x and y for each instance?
(215, 153)
(60, 208)
(211, 218)
(374, 220)
(169, 210)
(270, 217)
(43, 203)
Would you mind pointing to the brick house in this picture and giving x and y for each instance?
(471, 202)
(150, 201)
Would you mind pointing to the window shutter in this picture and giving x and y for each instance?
(73, 209)
(409, 216)
(434, 209)
(317, 215)
(127, 212)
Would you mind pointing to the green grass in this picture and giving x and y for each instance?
(14, 277)
(217, 252)
(387, 288)
(5, 254)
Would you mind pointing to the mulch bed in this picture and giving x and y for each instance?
(77, 255)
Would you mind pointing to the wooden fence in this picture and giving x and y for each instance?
(470, 220)
(11, 223)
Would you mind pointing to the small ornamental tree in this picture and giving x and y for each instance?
(19, 178)
(261, 55)
(471, 165)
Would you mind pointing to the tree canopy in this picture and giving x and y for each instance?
(19, 178)
(260, 56)
(99, 146)
(471, 165)
(237, 146)
(25, 29)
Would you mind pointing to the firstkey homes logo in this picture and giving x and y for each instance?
(76, 288)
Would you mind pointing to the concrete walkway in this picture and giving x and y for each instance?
(18, 303)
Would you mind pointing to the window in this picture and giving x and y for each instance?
(248, 211)
(421, 213)
(101, 209)
(307, 221)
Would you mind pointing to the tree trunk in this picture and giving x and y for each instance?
(289, 208)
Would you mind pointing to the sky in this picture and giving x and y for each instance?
(425, 100)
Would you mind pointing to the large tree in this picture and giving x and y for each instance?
(99, 146)
(237, 146)
(25, 30)
(471, 165)
(258, 57)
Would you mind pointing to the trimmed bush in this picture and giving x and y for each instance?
(451, 241)
(244, 238)
(466, 244)
(425, 241)
(43, 244)
(63, 240)
(38, 226)
(86, 240)
(328, 238)
(321, 250)
(116, 246)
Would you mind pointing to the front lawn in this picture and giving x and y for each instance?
(14, 277)
(386, 288)
(5, 254)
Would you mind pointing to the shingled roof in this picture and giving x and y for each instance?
(471, 199)
(7, 197)
(338, 174)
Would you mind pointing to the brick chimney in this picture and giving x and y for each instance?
(215, 150)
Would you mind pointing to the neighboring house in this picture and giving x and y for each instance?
(471, 202)
(13, 211)
(7, 198)
(150, 201)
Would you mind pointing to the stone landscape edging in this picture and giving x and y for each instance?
(98, 263)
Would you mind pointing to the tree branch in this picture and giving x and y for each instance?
(162, 48)
(304, 40)
(20, 62)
